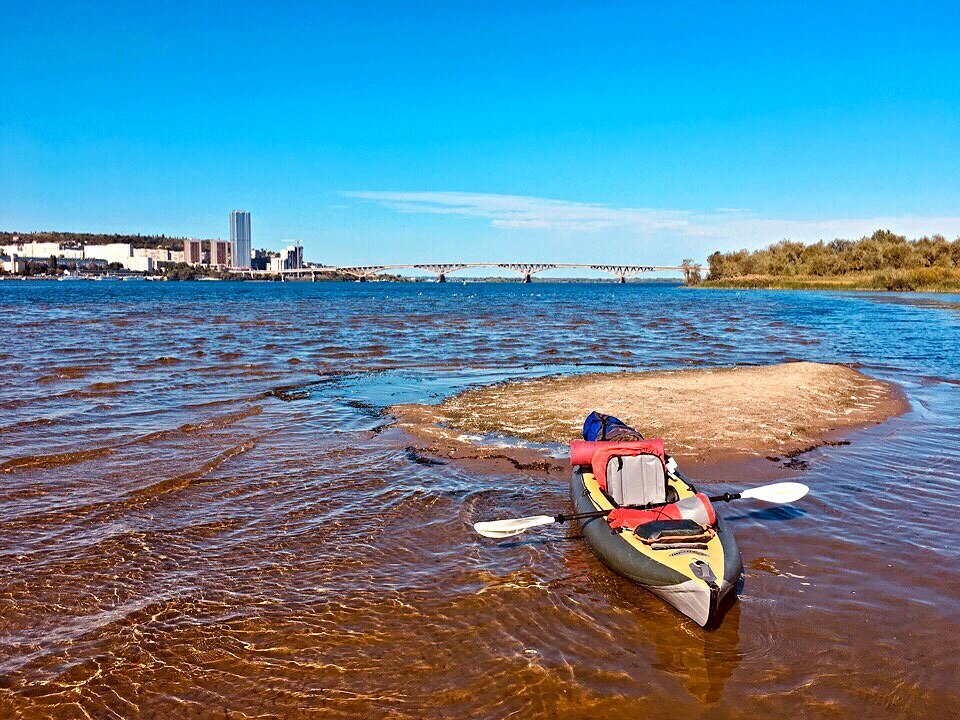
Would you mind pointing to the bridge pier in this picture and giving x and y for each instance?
(622, 280)
(527, 278)
(441, 278)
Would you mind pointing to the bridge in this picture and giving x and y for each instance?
(441, 270)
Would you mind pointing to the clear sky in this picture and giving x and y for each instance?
(625, 132)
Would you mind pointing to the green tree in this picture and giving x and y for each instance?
(882, 251)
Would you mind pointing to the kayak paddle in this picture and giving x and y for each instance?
(778, 493)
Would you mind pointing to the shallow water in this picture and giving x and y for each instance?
(205, 513)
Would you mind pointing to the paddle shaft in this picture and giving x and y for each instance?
(726, 497)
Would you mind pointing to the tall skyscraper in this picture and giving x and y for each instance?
(240, 238)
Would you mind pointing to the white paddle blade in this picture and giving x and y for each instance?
(508, 528)
(783, 493)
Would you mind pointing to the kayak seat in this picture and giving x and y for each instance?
(636, 479)
(629, 472)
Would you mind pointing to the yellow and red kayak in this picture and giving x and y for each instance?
(693, 564)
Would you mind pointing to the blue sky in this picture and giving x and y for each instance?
(555, 132)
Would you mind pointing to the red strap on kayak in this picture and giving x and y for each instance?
(697, 508)
(628, 518)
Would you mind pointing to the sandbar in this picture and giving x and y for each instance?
(702, 413)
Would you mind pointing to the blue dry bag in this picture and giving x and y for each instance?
(606, 427)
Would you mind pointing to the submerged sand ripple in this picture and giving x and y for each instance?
(775, 408)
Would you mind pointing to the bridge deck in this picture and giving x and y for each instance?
(442, 269)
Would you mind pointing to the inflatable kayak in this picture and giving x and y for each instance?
(679, 550)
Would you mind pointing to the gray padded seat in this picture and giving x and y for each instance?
(636, 480)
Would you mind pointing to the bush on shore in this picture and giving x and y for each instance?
(917, 279)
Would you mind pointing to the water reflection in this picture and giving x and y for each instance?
(701, 660)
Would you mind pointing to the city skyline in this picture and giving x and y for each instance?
(607, 131)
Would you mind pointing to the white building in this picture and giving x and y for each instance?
(139, 264)
(240, 238)
(42, 250)
(290, 258)
(111, 252)
(159, 254)
(118, 253)
(15, 264)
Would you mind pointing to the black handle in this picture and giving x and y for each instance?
(726, 497)
(580, 516)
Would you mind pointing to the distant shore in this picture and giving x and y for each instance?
(895, 281)
(703, 414)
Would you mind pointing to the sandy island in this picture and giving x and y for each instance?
(702, 414)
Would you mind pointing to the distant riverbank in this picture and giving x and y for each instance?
(918, 280)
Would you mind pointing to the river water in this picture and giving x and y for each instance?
(204, 511)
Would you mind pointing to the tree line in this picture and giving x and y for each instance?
(888, 260)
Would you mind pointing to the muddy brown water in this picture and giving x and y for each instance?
(204, 511)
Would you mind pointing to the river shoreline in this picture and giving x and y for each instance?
(858, 283)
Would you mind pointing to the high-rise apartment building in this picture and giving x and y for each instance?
(192, 252)
(220, 253)
(240, 238)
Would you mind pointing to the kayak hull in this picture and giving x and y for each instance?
(698, 581)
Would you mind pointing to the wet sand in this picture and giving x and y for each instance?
(704, 415)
